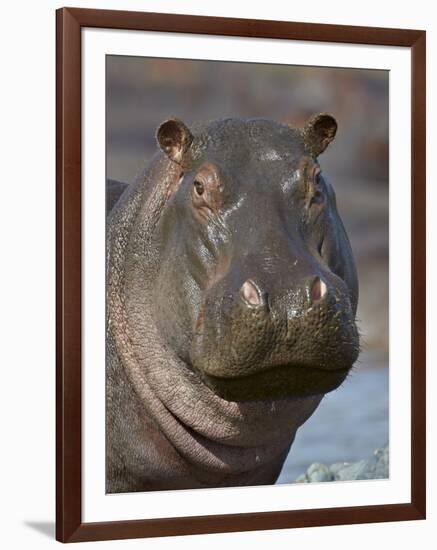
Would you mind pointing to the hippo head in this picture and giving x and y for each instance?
(257, 289)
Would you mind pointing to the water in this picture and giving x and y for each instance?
(349, 423)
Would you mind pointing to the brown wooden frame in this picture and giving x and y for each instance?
(69, 526)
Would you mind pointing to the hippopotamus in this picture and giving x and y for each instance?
(231, 302)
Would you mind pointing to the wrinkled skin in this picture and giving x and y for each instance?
(231, 304)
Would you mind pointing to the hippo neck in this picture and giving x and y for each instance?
(210, 432)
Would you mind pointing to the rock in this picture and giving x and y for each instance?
(375, 467)
(319, 472)
(357, 470)
(337, 467)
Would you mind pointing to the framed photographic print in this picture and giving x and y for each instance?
(240, 274)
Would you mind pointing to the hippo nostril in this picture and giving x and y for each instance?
(251, 293)
(318, 290)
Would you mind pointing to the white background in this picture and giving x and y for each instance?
(27, 275)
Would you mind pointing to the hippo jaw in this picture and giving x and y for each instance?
(277, 382)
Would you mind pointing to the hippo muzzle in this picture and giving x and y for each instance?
(253, 341)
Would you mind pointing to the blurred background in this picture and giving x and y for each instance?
(142, 92)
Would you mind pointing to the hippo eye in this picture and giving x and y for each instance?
(206, 190)
(198, 186)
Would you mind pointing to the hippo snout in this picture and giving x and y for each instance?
(253, 341)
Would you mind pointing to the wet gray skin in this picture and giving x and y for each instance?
(231, 304)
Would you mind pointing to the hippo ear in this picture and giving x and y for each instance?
(174, 138)
(318, 133)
